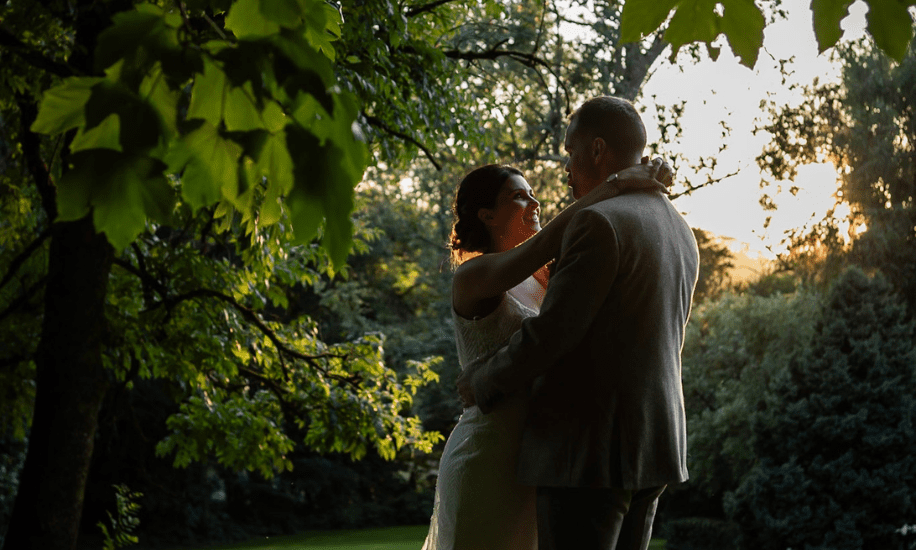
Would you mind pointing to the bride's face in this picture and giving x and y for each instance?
(516, 216)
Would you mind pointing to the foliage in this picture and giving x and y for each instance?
(866, 127)
(262, 106)
(890, 24)
(715, 261)
(769, 283)
(736, 348)
(124, 522)
(838, 454)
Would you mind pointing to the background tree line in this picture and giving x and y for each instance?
(213, 351)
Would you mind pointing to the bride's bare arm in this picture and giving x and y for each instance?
(483, 279)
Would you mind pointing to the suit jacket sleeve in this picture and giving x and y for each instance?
(589, 259)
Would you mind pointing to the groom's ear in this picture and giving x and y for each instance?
(601, 153)
(599, 147)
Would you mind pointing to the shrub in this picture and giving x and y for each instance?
(837, 461)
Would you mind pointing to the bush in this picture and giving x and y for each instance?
(836, 461)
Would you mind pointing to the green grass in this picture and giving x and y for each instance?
(388, 538)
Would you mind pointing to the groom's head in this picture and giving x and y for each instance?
(605, 135)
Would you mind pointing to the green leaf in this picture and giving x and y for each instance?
(311, 174)
(827, 15)
(277, 164)
(694, 21)
(155, 90)
(141, 126)
(62, 107)
(212, 169)
(642, 17)
(320, 26)
(743, 23)
(273, 116)
(891, 25)
(271, 210)
(105, 135)
(241, 112)
(323, 188)
(141, 38)
(129, 31)
(208, 94)
(245, 20)
(122, 190)
(286, 13)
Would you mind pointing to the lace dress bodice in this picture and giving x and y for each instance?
(478, 337)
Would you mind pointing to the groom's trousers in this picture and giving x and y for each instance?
(575, 518)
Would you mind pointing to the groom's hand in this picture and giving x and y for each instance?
(465, 390)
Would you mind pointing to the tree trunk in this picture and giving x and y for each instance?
(71, 382)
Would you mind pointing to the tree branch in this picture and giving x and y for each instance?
(417, 10)
(23, 298)
(31, 150)
(709, 181)
(23, 256)
(373, 121)
(525, 58)
(252, 316)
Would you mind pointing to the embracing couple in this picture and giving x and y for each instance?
(571, 376)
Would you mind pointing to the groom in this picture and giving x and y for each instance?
(605, 432)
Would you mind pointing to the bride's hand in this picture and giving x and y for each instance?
(654, 174)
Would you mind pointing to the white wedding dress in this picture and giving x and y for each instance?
(479, 505)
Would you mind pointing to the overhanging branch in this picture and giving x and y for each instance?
(23, 256)
(376, 122)
(528, 59)
(23, 298)
(417, 10)
(252, 317)
(709, 181)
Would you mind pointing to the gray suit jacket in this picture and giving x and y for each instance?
(603, 357)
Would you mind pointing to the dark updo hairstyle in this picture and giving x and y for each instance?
(479, 189)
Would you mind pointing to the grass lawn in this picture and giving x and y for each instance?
(387, 538)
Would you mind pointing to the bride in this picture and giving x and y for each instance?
(501, 277)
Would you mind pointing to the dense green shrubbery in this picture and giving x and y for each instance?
(736, 348)
(800, 419)
(835, 460)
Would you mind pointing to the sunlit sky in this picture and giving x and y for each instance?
(725, 90)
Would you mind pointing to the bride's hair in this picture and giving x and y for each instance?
(477, 190)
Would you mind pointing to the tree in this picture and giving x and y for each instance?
(742, 22)
(838, 454)
(172, 120)
(715, 261)
(866, 126)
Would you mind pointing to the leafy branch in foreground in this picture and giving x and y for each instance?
(890, 24)
(263, 105)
